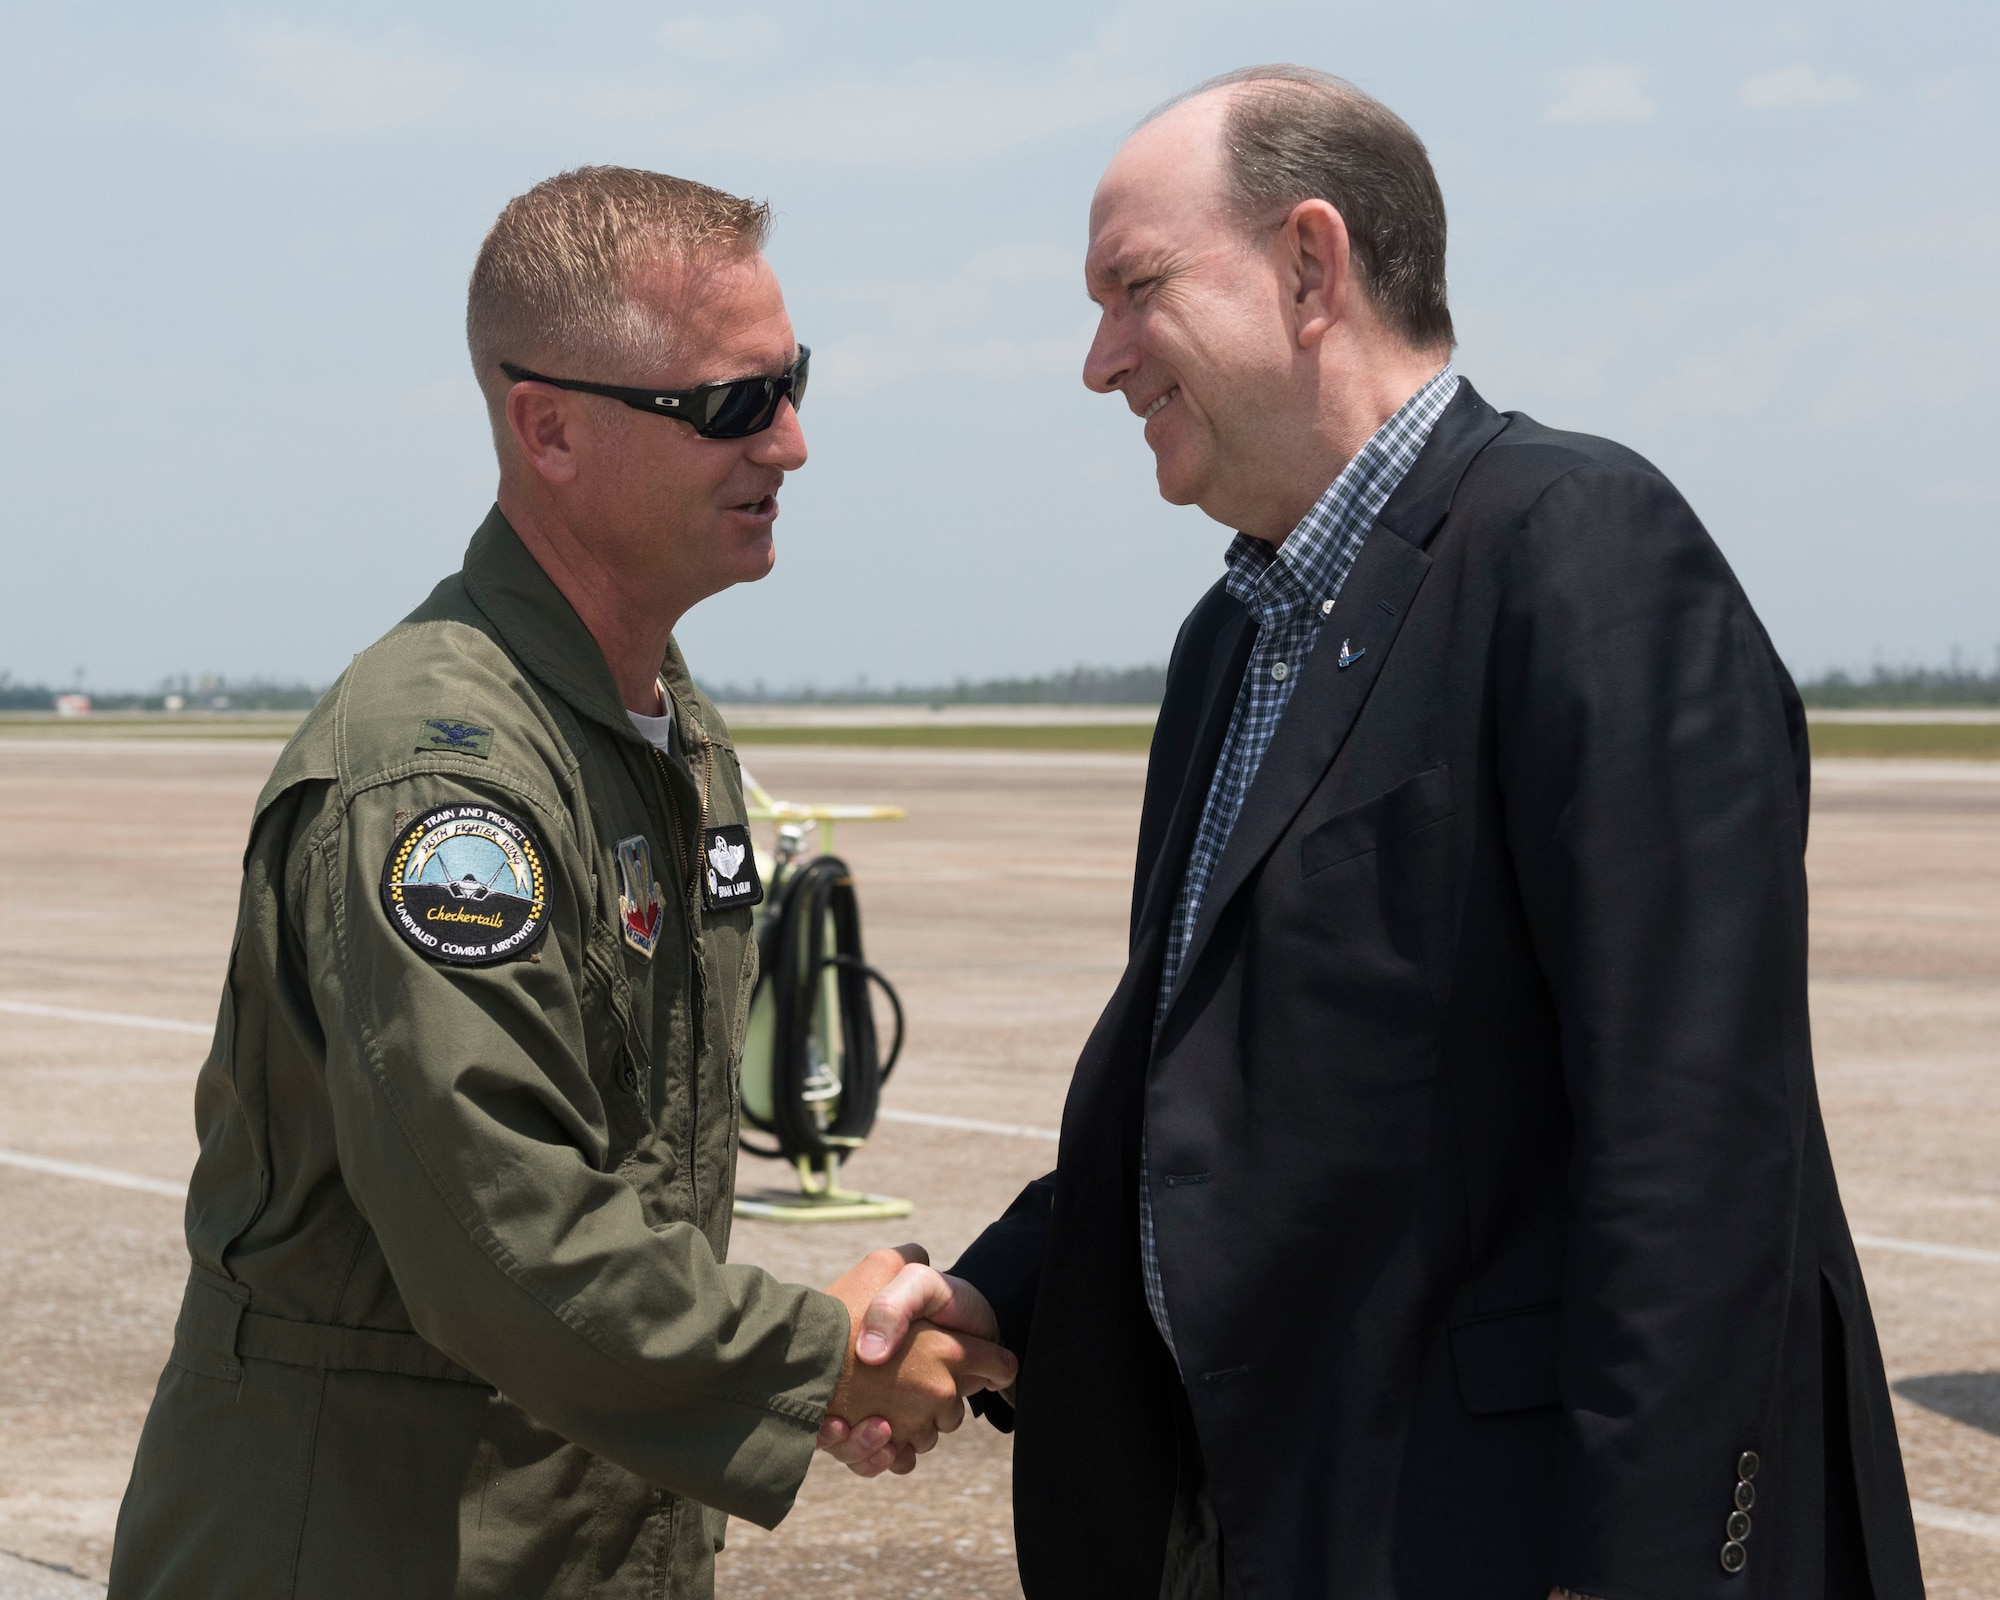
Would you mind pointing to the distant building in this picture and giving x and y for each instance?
(72, 705)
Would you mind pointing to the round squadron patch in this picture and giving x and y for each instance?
(467, 885)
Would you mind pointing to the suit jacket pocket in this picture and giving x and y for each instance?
(1413, 804)
(1507, 1361)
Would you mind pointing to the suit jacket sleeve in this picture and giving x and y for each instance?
(1005, 1264)
(1654, 813)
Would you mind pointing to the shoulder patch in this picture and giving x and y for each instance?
(445, 733)
(730, 878)
(466, 885)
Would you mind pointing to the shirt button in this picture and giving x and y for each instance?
(1278, 670)
(1326, 608)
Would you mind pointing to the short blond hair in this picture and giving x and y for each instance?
(553, 285)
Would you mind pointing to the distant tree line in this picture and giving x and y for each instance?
(1080, 686)
(1955, 685)
(184, 693)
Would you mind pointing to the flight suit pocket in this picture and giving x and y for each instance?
(618, 1063)
(1507, 1361)
(604, 1002)
(1410, 807)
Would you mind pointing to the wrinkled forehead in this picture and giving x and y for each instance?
(1167, 178)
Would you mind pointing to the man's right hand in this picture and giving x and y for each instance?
(914, 1304)
(918, 1347)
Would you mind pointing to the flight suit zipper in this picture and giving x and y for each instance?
(697, 1009)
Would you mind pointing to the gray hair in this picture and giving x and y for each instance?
(553, 282)
(1291, 134)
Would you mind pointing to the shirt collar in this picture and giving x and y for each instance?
(1276, 585)
(543, 630)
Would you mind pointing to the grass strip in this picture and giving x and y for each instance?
(82, 731)
(1949, 741)
(1955, 741)
(1936, 741)
(1128, 737)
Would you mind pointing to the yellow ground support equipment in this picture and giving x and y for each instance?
(813, 1064)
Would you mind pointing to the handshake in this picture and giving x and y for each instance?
(920, 1343)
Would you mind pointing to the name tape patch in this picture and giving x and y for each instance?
(729, 875)
(466, 885)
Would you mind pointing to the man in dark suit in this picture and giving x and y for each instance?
(1443, 1207)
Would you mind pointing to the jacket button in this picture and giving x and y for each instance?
(1746, 1497)
(1734, 1556)
(1738, 1526)
(1746, 1465)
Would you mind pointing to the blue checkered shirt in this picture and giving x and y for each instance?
(1290, 591)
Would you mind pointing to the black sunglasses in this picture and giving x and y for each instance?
(732, 410)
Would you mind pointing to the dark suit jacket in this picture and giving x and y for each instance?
(1494, 1208)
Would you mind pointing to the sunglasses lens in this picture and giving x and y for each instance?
(737, 409)
(799, 377)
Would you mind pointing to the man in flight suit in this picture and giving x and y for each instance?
(458, 1320)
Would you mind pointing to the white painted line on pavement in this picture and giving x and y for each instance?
(89, 1174)
(22, 1578)
(110, 1019)
(931, 1119)
(1918, 1247)
(1929, 1514)
(925, 1119)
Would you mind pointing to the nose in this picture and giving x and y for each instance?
(783, 444)
(1111, 359)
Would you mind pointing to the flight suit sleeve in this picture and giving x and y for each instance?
(474, 1141)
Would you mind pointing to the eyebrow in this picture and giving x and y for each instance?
(1122, 270)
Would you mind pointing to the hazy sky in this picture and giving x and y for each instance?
(1760, 244)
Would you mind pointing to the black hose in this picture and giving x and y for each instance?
(815, 900)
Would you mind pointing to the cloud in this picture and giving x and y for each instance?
(1003, 313)
(925, 114)
(321, 82)
(250, 82)
(679, 85)
(740, 38)
(1966, 238)
(1606, 91)
(1799, 88)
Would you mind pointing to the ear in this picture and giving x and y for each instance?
(1320, 268)
(539, 416)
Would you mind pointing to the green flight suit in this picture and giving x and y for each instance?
(458, 1321)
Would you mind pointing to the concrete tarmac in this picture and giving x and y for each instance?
(999, 910)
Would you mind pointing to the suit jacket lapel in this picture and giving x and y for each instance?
(1328, 696)
(1226, 659)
